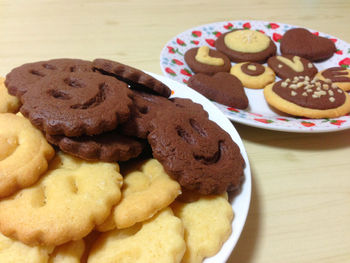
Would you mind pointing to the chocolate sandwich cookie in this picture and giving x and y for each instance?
(135, 78)
(77, 103)
(196, 151)
(308, 98)
(18, 80)
(246, 45)
(222, 87)
(107, 147)
(301, 42)
(289, 66)
(338, 75)
(207, 61)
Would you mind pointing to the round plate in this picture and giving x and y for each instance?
(258, 114)
(240, 203)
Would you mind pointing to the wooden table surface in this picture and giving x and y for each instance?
(300, 209)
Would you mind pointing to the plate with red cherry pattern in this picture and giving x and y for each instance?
(259, 113)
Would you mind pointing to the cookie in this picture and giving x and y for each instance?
(159, 239)
(207, 224)
(253, 75)
(338, 75)
(222, 87)
(70, 252)
(66, 204)
(311, 99)
(290, 66)
(207, 61)
(196, 151)
(107, 147)
(301, 42)
(246, 45)
(8, 103)
(24, 153)
(18, 80)
(134, 77)
(73, 104)
(146, 190)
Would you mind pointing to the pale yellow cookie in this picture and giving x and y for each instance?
(24, 153)
(70, 252)
(253, 75)
(338, 75)
(69, 200)
(12, 251)
(159, 239)
(146, 190)
(207, 224)
(8, 103)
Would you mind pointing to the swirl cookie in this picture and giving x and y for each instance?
(159, 239)
(134, 77)
(24, 153)
(66, 204)
(19, 79)
(301, 42)
(207, 61)
(222, 87)
(290, 66)
(338, 75)
(8, 103)
(73, 104)
(246, 45)
(147, 189)
(253, 75)
(312, 99)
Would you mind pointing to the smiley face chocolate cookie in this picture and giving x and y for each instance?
(246, 45)
(308, 98)
(338, 75)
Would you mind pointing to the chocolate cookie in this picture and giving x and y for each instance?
(338, 75)
(207, 61)
(107, 147)
(77, 103)
(135, 78)
(289, 66)
(222, 87)
(246, 45)
(196, 152)
(301, 42)
(308, 98)
(18, 80)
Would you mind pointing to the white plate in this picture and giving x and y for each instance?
(259, 114)
(240, 203)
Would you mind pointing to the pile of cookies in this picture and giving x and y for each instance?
(100, 165)
(302, 90)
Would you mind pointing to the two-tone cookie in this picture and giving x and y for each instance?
(338, 75)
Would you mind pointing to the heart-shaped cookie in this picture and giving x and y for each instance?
(221, 87)
(301, 42)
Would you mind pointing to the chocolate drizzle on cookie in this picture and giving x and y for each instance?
(252, 69)
(336, 74)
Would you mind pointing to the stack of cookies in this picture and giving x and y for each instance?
(75, 164)
(311, 93)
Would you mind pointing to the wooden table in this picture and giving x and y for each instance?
(300, 209)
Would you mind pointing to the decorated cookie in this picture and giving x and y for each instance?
(196, 151)
(222, 87)
(107, 147)
(207, 223)
(147, 189)
(338, 75)
(246, 45)
(301, 42)
(66, 204)
(134, 77)
(289, 66)
(159, 239)
(207, 61)
(24, 153)
(308, 98)
(73, 104)
(253, 75)
(70, 252)
(8, 103)
(18, 80)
